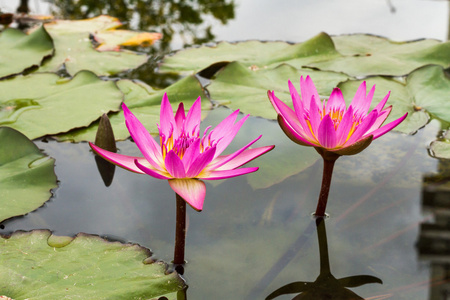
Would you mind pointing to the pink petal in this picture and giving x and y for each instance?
(193, 191)
(224, 126)
(223, 174)
(344, 127)
(314, 118)
(309, 93)
(166, 118)
(362, 128)
(296, 101)
(216, 164)
(123, 161)
(144, 141)
(152, 172)
(201, 162)
(243, 158)
(174, 165)
(380, 119)
(180, 116)
(224, 137)
(359, 98)
(336, 102)
(368, 101)
(191, 154)
(293, 135)
(380, 105)
(327, 133)
(194, 117)
(294, 119)
(388, 127)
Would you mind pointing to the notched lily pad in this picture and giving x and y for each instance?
(38, 265)
(252, 53)
(145, 103)
(26, 175)
(74, 48)
(441, 147)
(19, 51)
(43, 104)
(239, 87)
(365, 55)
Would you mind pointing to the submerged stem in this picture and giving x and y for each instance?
(180, 231)
(328, 165)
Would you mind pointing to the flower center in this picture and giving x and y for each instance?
(183, 142)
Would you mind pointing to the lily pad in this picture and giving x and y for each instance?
(423, 96)
(39, 265)
(239, 87)
(19, 51)
(43, 104)
(26, 175)
(441, 147)
(259, 54)
(366, 55)
(75, 51)
(145, 103)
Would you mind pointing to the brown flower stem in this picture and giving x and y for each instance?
(328, 165)
(180, 231)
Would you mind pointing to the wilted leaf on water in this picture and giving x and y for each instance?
(19, 51)
(424, 95)
(239, 87)
(26, 175)
(366, 55)
(43, 104)
(441, 147)
(75, 51)
(145, 103)
(252, 53)
(39, 265)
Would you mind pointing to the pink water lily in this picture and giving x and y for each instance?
(183, 157)
(330, 125)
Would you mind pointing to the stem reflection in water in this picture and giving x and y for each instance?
(326, 286)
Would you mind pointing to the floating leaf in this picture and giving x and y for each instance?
(43, 104)
(252, 53)
(74, 49)
(145, 103)
(441, 148)
(111, 40)
(366, 55)
(19, 51)
(39, 265)
(239, 87)
(26, 175)
(424, 95)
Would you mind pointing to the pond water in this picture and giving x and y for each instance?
(248, 242)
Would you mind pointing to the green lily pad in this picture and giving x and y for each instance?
(19, 51)
(26, 175)
(239, 87)
(424, 95)
(441, 148)
(75, 51)
(366, 55)
(259, 54)
(39, 265)
(145, 103)
(43, 104)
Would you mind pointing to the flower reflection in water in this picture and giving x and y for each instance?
(326, 286)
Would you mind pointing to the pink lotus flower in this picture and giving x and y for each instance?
(183, 157)
(329, 125)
